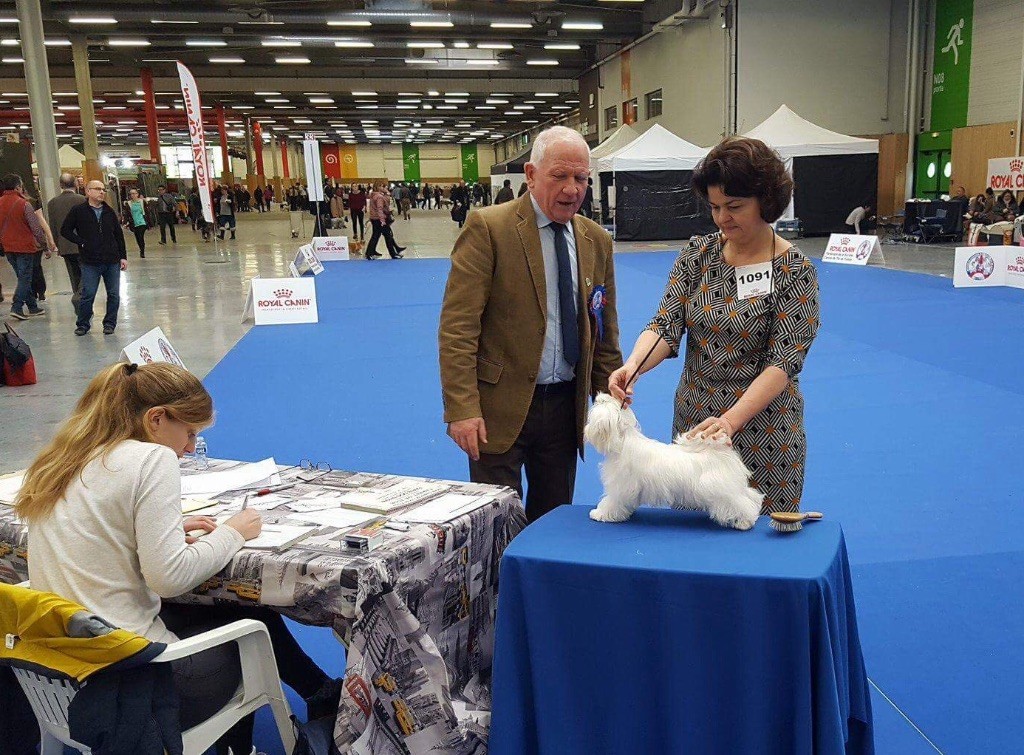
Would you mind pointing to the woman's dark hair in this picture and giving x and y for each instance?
(746, 168)
(11, 181)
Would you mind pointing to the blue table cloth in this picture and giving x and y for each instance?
(669, 634)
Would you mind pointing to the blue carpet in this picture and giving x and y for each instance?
(913, 414)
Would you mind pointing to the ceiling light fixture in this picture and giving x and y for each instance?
(205, 43)
(510, 25)
(561, 46)
(431, 24)
(347, 22)
(542, 62)
(582, 25)
(291, 61)
(92, 20)
(495, 46)
(128, 43)
(234, 60)
(280, 43)
(425, 45)
(352, 43)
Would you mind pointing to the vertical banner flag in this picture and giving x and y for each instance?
(200, 157)
(411, 162)
(332, 164)
(470, 168)
(348, 160)
(951, 74)
(314, 174)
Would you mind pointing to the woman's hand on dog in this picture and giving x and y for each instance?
(713, 428)
(468, 434)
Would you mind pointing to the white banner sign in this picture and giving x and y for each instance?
(281, 301)
(200, 158)
(329, 248)
(984, 266)
(306, 261)
(154, 346)
(314, 170)
(1006, 173)
(850, 249)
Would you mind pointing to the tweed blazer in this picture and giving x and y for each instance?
(494, 316)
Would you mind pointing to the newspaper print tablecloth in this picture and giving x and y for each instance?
(416, 614)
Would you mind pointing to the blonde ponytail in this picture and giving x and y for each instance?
(111, 410)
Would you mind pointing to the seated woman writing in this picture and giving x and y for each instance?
(103, 504)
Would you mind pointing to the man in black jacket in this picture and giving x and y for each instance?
(93, 226)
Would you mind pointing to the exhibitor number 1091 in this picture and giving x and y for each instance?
(755, 277)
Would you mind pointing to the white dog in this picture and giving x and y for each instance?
(687, 474)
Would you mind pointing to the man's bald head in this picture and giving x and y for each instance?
(67, 181)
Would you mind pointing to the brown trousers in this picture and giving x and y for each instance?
(546, 446)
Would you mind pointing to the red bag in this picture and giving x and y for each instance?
(17, 367)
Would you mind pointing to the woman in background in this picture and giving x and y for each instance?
(135, 218)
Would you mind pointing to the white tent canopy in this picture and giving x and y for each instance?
(792, 136)
(655, 149)
(69, 157)
(615, 141)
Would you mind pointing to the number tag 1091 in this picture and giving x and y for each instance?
(753, 280)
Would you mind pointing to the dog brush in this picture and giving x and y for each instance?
(792, 521)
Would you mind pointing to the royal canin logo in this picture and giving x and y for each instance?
(845, 241)
(283, 293)
(1016, 165)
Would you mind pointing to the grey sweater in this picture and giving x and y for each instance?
(115, 542)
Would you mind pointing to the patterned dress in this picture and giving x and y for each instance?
(726, 351)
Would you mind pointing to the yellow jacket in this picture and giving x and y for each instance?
(42, 631)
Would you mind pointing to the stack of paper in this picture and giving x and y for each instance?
(444, 508)
(211, 483)
(386, 500)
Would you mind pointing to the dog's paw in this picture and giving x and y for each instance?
(603, 515)
(739, 524)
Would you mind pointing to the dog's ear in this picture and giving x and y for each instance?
(600, 427)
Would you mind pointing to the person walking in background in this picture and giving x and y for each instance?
(338, 208)
(21, 235)
(356, 208)
(94, 228)
(381, 220)
(587, 208)
(268, 197)
(135, 218)
(226, 212)
(405, 196)
(58, 209)
(425, 196)
(505, 193)
(257, 196)
(523, 189)
(47, 250)
(166, 211)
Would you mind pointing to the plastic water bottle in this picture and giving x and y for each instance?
(202, 462)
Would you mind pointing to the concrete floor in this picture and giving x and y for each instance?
(195, 292)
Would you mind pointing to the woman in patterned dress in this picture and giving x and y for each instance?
(749, 300)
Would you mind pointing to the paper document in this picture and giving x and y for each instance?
(333, 517)
(385, 500)
(276, 536)
(10, 484)
(444, 508)
(211, 483)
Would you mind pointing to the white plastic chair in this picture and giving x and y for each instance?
(260, 686)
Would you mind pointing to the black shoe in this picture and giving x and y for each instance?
(232, 235)
(80, 331)
(398, 256)
(400, 249)
(142, 255)
(221, 235)
(37, 312)
(17, 314)
(41, 297)
(163, 243)
(108, 330)
(374, 256)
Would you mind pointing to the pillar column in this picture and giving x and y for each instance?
(257, 144)
(275, 181)
(284, 160)
(250, 179)
(152, 130)
(40, 99)
(226, 176)
(91, 168)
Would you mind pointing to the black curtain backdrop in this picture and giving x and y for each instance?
(828, 187)
(605, 179)
(515, 164)
(656, 205)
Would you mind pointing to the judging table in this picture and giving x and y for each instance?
(670, 634)
(416, 614)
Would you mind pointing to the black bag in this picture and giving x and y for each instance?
(315, 737)
(17, 367)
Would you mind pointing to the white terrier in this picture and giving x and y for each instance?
(687, 474)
